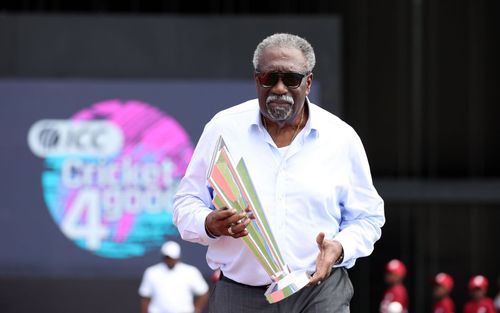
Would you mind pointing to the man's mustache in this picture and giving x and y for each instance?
(285, 98)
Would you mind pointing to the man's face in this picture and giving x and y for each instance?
(439, 292)
(170, 261)
(478, 293)
(281, 103)
(392, 279)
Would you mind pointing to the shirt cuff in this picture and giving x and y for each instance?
(201, 229)
(348, 252)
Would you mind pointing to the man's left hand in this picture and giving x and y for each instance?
(329, 252)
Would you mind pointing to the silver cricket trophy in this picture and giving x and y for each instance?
(234, 189)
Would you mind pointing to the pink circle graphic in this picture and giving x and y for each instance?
(120, 205)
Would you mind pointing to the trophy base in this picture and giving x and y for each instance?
(286, 286)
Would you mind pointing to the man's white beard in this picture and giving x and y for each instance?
(280, 112)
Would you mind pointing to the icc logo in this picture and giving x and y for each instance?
(51, 138)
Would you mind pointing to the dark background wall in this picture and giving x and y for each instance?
(420, 85)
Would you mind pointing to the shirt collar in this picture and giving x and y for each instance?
(312, 125)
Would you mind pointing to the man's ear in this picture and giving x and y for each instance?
(309, 80)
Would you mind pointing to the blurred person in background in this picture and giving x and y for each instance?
(395, 299)
(215, 276)
(479, 302)
(497, 298)
(442, 287)
(172, 286)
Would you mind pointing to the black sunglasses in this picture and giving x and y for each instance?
(291, 80)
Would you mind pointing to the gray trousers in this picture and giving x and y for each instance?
(331, 296)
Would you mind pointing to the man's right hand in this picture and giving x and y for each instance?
(227, 222)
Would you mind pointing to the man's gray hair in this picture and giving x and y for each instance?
(282, 40)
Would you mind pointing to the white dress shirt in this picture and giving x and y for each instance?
(172, 290)
(321, 183)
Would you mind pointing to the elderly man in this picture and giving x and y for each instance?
(312, 177)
